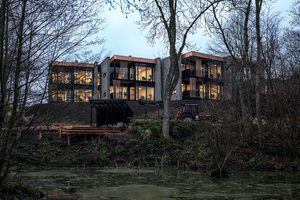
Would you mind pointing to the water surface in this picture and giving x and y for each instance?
(146, 184)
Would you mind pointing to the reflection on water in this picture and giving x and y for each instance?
(144, 184)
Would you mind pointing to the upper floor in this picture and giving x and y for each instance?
(133, 78)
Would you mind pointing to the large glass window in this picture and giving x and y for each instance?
(219, 72)
(141, 93)
(182, 67)
(82, 95)
(185, 87)
(203, 70)
(213, 92)
(121, 92)
(132, 93)
(61, 77)
(216, 92)
(132, 73)
(150, 93)
(214, 72)
(83, 77)
(121, 73)
(144, 74)
(141, 73)
(202, 91)
(61, 96)
(144, 93)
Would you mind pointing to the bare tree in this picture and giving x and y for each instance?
(171, 21)
(33, 34)
(258, 8)
(230, 26)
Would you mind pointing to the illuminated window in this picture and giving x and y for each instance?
(144, 93)
(121, 92)
(174, 91)
(182, 67)
(83, 77)
(216, 92)
(82, 95)
(219, 72)
(141, 93)
(61, 96)
(132, 93)
(144, 74)
(104, 75)
(202, 91)
(54, 77)
(213, 92)
(122, 70)
(61, 77)
(132, 73)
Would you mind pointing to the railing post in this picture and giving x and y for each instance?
(59, 132)
(68, 140)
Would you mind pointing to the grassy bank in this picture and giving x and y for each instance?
(203, 145)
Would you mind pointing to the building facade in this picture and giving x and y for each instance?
(131, 78)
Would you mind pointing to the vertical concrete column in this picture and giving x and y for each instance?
(105, 78)
(158, 81)
(95, 95)
(178, 88)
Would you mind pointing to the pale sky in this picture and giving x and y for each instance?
(124, 38)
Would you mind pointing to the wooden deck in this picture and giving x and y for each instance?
(70, 130)
(90, 130)
(87, 131)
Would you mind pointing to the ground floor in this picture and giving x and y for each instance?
(71, 95)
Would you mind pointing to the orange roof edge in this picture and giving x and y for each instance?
(72, 64)
(203, 55)
(133, 59)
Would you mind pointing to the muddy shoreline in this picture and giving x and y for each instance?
(128, 149)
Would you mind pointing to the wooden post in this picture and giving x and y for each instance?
(40, 134)
(59, 132)
(98, 136)
(68, 140)
(84, 137)
(19, 134)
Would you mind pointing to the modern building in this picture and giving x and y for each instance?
(131, 78)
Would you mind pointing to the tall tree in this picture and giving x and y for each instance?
(258, 7)
(171, 21)
(33, 34)
(230, 26)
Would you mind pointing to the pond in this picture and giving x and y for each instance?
(154, 184)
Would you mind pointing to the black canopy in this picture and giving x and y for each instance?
(111, 110)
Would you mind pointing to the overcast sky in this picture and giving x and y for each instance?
(124, 38)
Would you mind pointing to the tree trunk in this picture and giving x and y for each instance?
(2, 74)
(173, 74)
(243, 105)
(258, 70)
(13, 116)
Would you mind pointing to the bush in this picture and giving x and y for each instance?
(178, 129)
